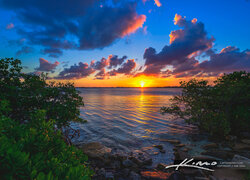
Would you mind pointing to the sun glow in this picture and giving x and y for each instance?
(142, 83)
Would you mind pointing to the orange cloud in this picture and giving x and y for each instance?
(134, 25)
(194, 21)
(158, 3)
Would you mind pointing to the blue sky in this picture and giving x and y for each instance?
(226, 21)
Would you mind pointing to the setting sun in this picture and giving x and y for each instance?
(142, 83)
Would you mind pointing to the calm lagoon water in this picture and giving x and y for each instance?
(130, 118)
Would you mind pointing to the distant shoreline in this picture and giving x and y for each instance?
(133, 87)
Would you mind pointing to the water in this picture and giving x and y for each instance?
(130, 119)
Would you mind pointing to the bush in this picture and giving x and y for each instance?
(28, 93)
(219, 109)
(31, 147)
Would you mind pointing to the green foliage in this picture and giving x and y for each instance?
(31, 147)
(220, 109)
(28, 93)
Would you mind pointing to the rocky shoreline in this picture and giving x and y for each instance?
(110, 163)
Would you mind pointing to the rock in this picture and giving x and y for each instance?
(95, 150)
(162, 151)
(134, 176)
(212, 177)
(154, 175)
(127, 163)
(241, 159)
(158, 146)
(172, 141)
(185, 149)
(246, 141)
(221, 154)
(241, 147)
(176, 176)
(101, 172)
(210, 146)
(109, 175)
(161, 166)
(231, 138)
(180, 145)
(116, 164)
(125, 172)
(140, 158)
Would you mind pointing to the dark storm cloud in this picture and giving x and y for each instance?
(45, 65)
(76, 71)
(77, 24)
(24, 50)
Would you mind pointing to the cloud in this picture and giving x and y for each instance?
(45, 65)
(101, 28)
(76, 71)
(100, 64)
(79, 25)
(158, 3)
(24, 50)
(229, 59)
(10, 26)
(185, 45)
(126, 68)
(114, 61)
(53, 52)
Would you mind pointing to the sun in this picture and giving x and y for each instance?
(142, 83)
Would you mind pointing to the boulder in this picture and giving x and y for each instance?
(155, 175)
(241, 159)
(134, 176)
(95, 150)
(179, 145)
(210, 146)
(140, 158)
(172, 141)
(246, 141)
(241, 147)
(161, 166)
(158, 146)
(127, 163)
(221, 154)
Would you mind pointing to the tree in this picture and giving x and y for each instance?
(28, 93)
(32, 112)
(219, 109)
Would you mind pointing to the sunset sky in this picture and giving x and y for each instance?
(126, 43)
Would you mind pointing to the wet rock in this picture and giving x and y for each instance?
(95, 150)
(185, 149)
(162, 151)
(242, 159)
(140, 158)
(172, 141)
(241, 147)
(176, 176)
(158, 146)
(161, 166)
(109, 175)
(127, 163)
(221, 154)
(246, 141)
(101, 172)
(134, 176)
(180, 145)
(210, 146)
(125, 172)
(212, 177)
(231, 138)
(116, 164)
(155, 175)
